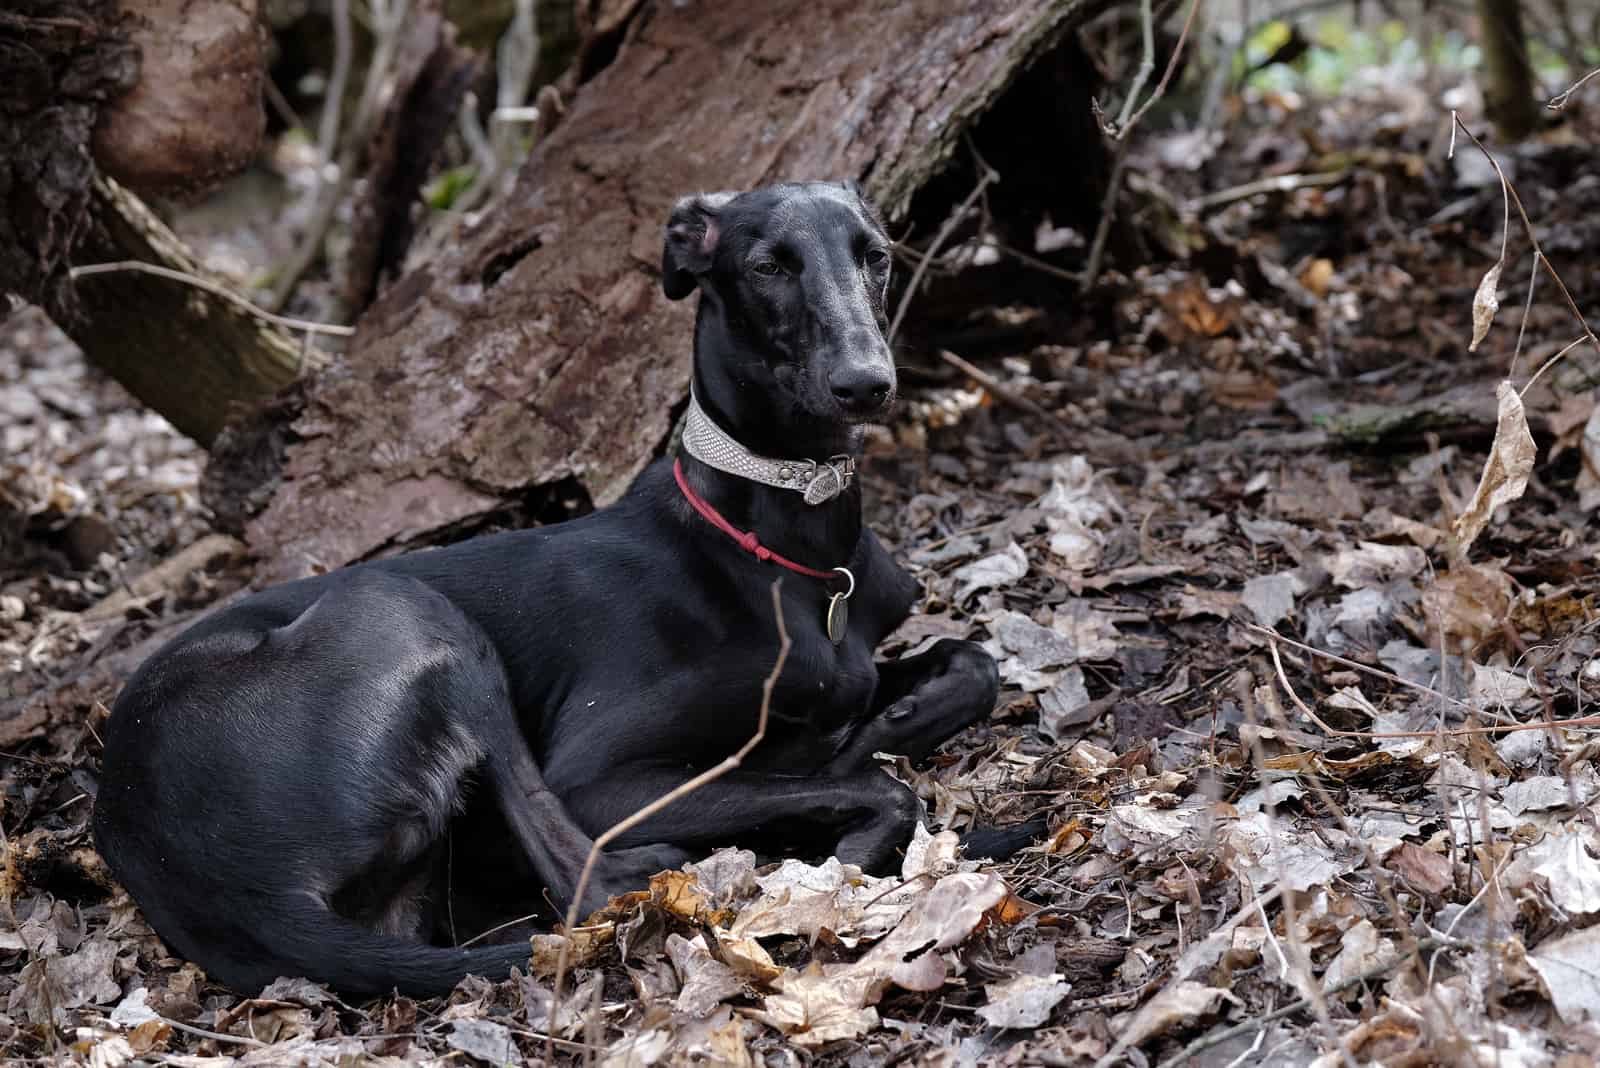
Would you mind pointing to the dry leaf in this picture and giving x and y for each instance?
(1424, 869)
(1505, 475)
(1485, 302)
(484, 1040)
(1177, 1004)
(1566, 966)
(1024, 1001)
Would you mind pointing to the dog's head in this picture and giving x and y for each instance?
(797, 276)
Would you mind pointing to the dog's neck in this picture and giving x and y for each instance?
(819, 535)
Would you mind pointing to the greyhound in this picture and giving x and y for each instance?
(309, 780)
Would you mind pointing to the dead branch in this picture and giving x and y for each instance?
(986, 176)
(1217, 1038)
(215, 290)
(1560, 100)
(1453, 732)
(1003, 392)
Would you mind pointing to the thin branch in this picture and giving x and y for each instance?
(1510, 192)
(1453, 732)
(389, 19)
(1001, 391)
(1551, 362)
(986, 176)
(215, 290)
(1559, 101)
(1161, 86)
(1108, 211)
(675, 794)
(1282, 183)
(333, 98)
(1147, 66)
(1217, 1038)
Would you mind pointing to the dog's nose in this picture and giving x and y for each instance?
(860, 389)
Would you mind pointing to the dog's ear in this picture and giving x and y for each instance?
(691, 239)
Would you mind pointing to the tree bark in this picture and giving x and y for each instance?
(195, 357)
(539, 347)
(1507, 75)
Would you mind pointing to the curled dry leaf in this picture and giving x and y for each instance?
(1505, 475)
(1485, 302)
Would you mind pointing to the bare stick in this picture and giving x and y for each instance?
(1147, 66)
(333, 99)
(1388, 676)
(1217, 1038)
(1108, 212)
(1454, 732)
(389, 19)
(215, 290)
(1161, 86)
(986, 176)
(1005, 393)
(1282, 183)
(675, 794)
(1559, 101)
(1510, 193)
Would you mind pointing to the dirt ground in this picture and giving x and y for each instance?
(1205, 516)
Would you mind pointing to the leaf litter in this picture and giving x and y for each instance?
(1312, 447)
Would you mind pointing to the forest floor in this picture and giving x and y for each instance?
(1333, 847)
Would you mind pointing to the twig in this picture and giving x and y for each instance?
(480, 936)
(217, 1036)
(1510, 193)
(389, 18)
(1305, 978)
(986, 176)
(1108, 212)
(1453, 732)
(1282, 183)
(86, 269)
(333, 99)
(1172, 65)
(1217, 1038)
(1356, 665)
(1006, 393)
(675, 794)
(1147, 66)
(1559, 101)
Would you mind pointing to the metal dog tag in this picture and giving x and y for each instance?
(839, 609)
(838, 617)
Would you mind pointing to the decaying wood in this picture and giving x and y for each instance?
(191, 355)
(195, 115)
(539, 348)
(61, 63)
(431, 76)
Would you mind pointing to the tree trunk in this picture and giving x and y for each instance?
(1507, 76)
(539, 348)
(191, 355)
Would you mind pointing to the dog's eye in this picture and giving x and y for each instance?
(768, 268)
(877, 258)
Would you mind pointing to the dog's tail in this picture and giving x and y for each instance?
(1001, 843)
(307, 939)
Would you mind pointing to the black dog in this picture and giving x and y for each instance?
(288, 788)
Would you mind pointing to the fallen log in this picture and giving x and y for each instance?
(538, 348)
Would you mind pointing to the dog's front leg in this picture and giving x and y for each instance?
(923, 700)
(867, 813)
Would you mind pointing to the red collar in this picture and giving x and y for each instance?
(747, 539)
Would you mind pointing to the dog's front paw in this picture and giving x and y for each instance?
(958, 690)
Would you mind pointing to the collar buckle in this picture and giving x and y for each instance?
(818, 481)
